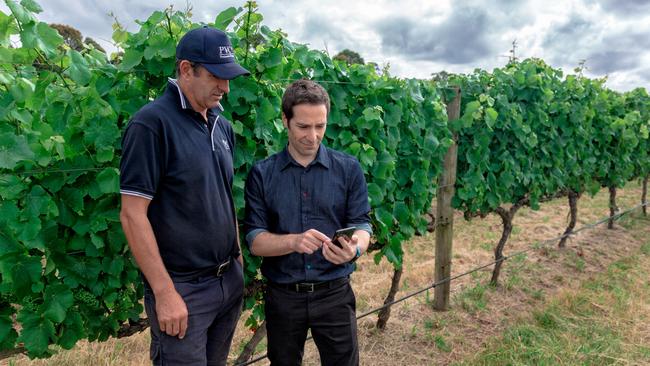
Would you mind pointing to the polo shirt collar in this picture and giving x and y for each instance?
(185, 103)
(322, 158)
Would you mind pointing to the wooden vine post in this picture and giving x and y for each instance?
(445, 213)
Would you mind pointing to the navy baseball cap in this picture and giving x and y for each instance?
(211, 48)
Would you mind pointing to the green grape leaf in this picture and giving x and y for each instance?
(56, 301)
(73, 330)
(131, 59)
(13, 149)
(31, 5)
(79, 71)
(226, 17)
(23, 272)
(36, 332)
(108, 180)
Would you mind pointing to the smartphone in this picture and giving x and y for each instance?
(347, 232)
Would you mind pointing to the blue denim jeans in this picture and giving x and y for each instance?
(214, 305)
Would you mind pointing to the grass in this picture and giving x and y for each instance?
(473, 299)
(597, 325)
(575, 261)
(440, 343)
(553, 307)
(487, 246)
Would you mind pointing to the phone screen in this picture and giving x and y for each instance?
(347, 232)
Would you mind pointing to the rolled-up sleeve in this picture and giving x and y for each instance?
(358, 207)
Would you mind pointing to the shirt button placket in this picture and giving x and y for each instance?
(304, 200)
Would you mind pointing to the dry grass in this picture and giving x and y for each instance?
(604, 322)
(418, 335)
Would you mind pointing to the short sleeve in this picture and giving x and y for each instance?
(141, 165)
(256, 218)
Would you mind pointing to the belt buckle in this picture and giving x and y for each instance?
(222, 268)
(310, 287)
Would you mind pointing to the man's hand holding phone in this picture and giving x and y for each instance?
(343, 246)
(343, 233)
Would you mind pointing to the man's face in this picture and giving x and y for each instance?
(306, 130)
(204, 89)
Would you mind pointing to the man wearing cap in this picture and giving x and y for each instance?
(177, 210)
(295, 201)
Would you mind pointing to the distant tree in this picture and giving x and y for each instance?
(440, 76)
(74, 39)
(91, 42)
(350, 57)
(71, 36)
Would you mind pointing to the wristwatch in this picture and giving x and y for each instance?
(357, 255)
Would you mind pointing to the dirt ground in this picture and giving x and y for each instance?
(418, 335)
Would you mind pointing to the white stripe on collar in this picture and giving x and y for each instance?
(184, 103)
(180, 93)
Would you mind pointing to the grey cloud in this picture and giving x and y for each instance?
(627, 40)
(644, 76)
(610, 61)
(618, 52)
(91, 20)
(460, 39)
(321, 28)
(624, 7)
(568, 40)
(580, 38)
(511, 13)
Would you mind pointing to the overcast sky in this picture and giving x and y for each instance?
(419, 38)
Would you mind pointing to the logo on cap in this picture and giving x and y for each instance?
(226, 52)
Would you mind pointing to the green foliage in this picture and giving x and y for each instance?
(616, 147)
(62, 252)
(65, 273)
(639, 101)
(509, 146)
(527, 133)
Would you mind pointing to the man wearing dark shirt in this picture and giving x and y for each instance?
(177, 207)
(295, 201)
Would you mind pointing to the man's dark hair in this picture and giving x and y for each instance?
(195, 68)
(304, 92)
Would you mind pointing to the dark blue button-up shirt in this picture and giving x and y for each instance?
(283, 197)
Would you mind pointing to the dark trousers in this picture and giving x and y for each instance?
(214, 306)
(330, 313)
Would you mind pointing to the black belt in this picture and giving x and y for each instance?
(312, 286)
(216, 271)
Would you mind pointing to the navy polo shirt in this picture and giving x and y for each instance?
(184, 165)
(283, 197)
